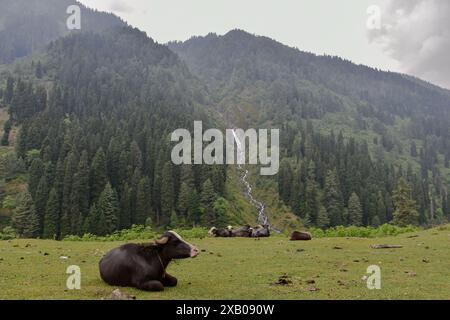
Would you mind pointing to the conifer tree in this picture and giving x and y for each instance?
(381, 209)
(65, 225)
(39, 72)
(36, 171)
(333, 199)
(143, 202)
(311, 206)
(67, 209)
(108, 208)
(125, 219)
(92, 220)
(208, 197)
(32, 229)
(98, 175)
(194, 212)
(221, 206)
(323, 221)
(184, 199)
(81, 184)
(354, 210)
(24, 217)
(40, 201)
(405, 207)
(9, 90)
(167, 191)
(174, 221)
(51, 217)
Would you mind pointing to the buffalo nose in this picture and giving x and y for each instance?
(194, 252)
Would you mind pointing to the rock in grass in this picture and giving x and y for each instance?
(119, 295)
(386, 246)
(313, 288)
(284, 280)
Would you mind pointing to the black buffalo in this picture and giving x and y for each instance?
(245, 232)
(221, 233)
(260, 231)
(143, 266)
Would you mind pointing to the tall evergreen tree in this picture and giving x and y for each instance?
(98, 175)
(41, 200)
(167, 192)
(184, 199)
(25, 219)
(208, 197)
(65, 224)
(36, 171)
(91, 223)
(381, 209)
(9, 92)
(405, 207)
(143, 202)
(108, 208)
(39, 71)
(125, 219)
(51, 217)
(333, 199)
(354, 210)
(81, 184)
(194, 212)
(69, 194)
(323, 221)
(311, 206)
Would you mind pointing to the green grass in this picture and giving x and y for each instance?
(245, 269)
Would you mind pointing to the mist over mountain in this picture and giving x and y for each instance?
(29, 25)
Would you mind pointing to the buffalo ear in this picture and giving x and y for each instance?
(162, 240)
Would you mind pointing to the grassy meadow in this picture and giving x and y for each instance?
(238, 268)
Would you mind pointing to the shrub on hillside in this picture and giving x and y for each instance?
(138, 232)
(362, 232)
(8, 233)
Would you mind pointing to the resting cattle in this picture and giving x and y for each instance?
(222, 233)
(245, 231)
(143, 266)
(297, 235)
(260, 231)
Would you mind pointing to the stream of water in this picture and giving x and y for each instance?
(262, 218)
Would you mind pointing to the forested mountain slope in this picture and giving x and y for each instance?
(95, 138)
(349, 133)
(29, 25)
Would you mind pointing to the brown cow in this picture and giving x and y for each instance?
(303, 236)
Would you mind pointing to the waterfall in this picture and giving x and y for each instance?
(262, 218)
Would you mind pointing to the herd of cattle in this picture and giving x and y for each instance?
(243, 232)
(254, 232)
(143, 266)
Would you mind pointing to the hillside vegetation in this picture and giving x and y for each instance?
(91, 114)
(347, 131)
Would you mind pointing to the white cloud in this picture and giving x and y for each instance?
(416, 33)
(120, 6)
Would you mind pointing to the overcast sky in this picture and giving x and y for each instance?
(414, 35)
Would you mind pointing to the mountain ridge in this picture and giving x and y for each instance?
(349, 133)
